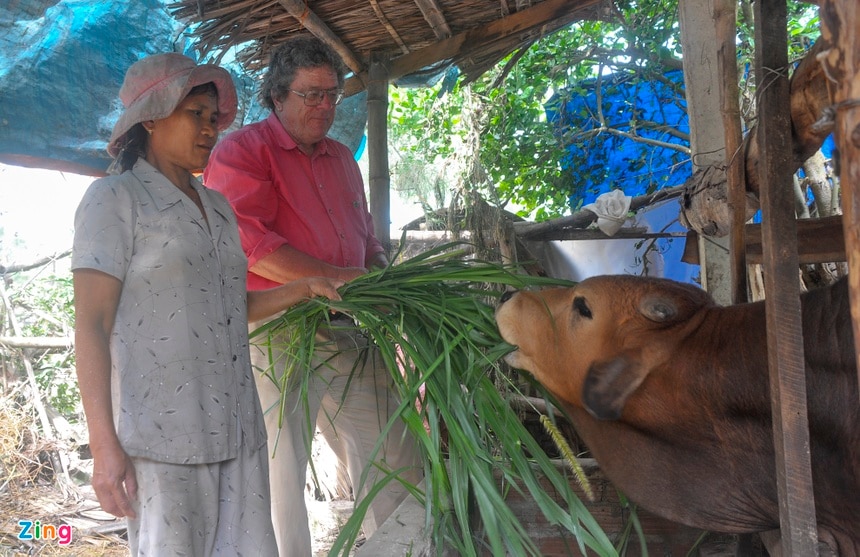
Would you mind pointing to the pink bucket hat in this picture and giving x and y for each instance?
(154, 86)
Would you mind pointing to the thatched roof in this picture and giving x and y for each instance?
(416, 34)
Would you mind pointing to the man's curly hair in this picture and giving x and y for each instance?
(301, 52)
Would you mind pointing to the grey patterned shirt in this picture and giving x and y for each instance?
(182, 384)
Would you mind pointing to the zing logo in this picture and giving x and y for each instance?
(37, 531)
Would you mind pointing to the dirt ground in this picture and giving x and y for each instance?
(99, 534)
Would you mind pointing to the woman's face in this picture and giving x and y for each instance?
(184, 140)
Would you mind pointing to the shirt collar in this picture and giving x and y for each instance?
(163, 192)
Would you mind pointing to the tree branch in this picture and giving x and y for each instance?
(552, 229)
(37, 342)
(34, 265)
(638, 138)
(647, 141)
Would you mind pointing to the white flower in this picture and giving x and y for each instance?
(611, 209)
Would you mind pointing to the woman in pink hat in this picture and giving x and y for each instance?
(161, 333)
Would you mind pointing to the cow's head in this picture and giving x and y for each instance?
(592, 345)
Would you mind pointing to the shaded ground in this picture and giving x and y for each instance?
(99, 534)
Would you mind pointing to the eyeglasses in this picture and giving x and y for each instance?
(314, 97)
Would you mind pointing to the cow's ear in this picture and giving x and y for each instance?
(608, 385)
(657, 308)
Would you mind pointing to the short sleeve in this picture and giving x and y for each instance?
(104, 228)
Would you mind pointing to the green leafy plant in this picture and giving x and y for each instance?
(42, 305)
(495, 129)
(432, 320)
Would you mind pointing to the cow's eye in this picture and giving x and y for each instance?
(581, 307)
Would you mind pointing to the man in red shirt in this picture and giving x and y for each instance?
(299, 199)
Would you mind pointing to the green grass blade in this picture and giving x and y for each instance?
(432, 320)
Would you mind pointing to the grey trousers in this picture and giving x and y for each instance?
(202, 510)
(351, 407)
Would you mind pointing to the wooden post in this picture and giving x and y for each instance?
(725, 17)
(782, 288)
(840, 30)
(379, 178)
(707, 142)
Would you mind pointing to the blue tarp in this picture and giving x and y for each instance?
(611, 161)
(61, 68)
(608, 160)
(60, 75)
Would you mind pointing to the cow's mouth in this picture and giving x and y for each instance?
(514, 358)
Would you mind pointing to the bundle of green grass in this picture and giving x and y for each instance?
(432, 318)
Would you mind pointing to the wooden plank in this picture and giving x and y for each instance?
(818, 241)
(782, 288)
(725, 16)
(549, 16)
(840, 31)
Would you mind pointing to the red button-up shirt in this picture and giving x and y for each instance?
(280, 195)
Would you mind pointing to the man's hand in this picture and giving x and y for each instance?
(378, 261)
(323, 286)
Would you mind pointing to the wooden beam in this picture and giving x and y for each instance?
(632, 233)
(701, 45)
(818, 241)
(725, 15)
(840, 31)
(549, 16)
(782, 287)
(555, 228)
(379, 177)
(432, 12)
(319, 29)
(380, 15)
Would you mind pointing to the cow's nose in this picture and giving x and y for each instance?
(507, 296)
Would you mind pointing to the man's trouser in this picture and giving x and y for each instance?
(350, 407)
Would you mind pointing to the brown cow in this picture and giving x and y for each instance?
(670, 392)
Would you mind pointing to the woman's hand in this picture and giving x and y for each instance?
(114, 481)
(265, 303)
